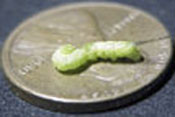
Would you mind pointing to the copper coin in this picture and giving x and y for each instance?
(28, 50)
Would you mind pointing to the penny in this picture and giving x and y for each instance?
(28, 50)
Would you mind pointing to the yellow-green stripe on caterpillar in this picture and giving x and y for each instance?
(67, 57)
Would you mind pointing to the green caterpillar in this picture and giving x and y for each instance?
(67, 57)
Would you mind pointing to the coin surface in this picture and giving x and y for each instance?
(28, 50)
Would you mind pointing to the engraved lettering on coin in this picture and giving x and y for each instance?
(29, 67)
(119, 26)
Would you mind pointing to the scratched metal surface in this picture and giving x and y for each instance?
(161, 103)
